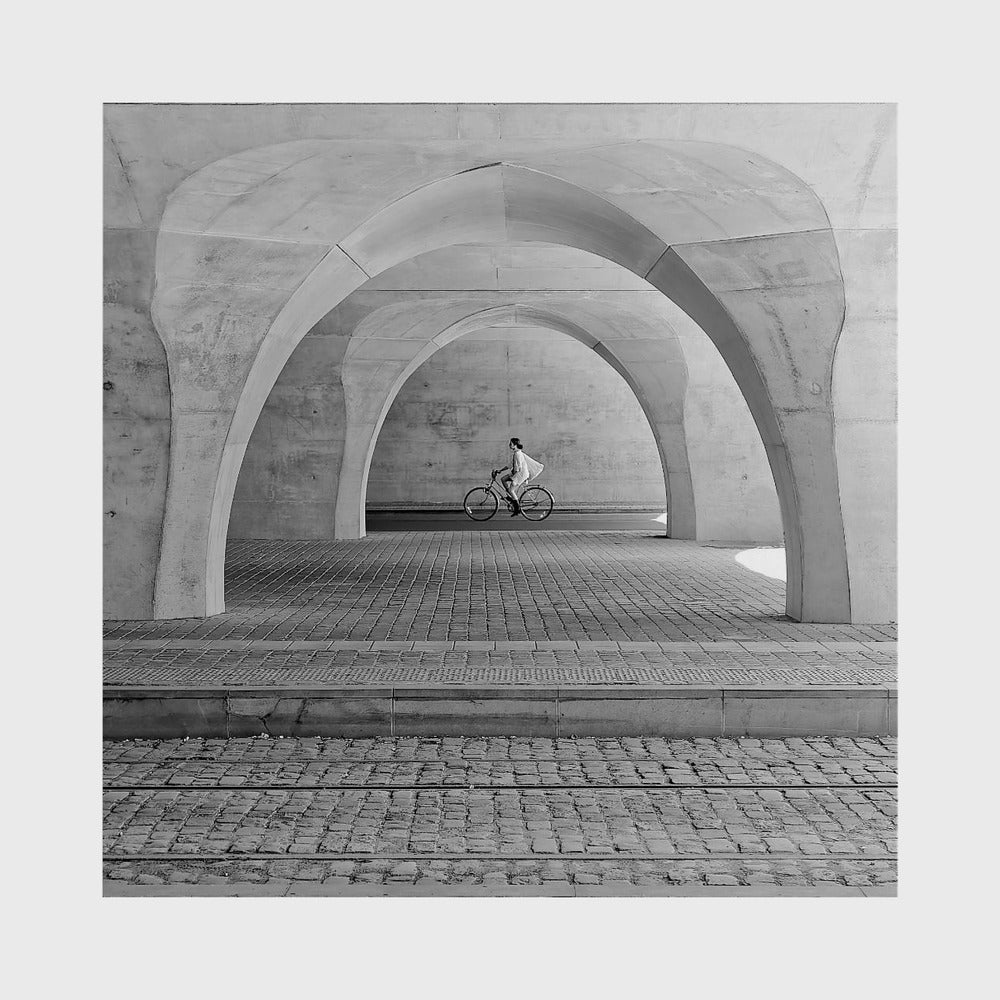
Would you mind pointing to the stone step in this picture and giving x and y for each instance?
(510, 710)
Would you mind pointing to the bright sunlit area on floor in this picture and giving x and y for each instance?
(768, 562)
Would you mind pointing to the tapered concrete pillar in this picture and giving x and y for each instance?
(774, 307)
(224, 356)
(370, 385)
(864, 393)
(656, 372)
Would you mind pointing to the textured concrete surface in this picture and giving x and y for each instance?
(500, 816)
(736, 204)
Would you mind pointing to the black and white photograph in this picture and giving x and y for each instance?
(500, 499)
(520, 469)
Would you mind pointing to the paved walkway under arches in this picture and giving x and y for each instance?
(512, 607)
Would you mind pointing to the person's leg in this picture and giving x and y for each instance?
(508, 484)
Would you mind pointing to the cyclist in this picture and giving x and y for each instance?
(522, 468)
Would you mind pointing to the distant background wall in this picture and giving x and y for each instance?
(447, 428)
(451, 422)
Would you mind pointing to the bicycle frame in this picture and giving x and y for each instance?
(495, 488)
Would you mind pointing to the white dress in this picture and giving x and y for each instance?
(525, 468)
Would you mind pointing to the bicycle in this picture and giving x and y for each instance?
(482, 502)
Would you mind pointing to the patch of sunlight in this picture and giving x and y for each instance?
(767, 562)
(662, 519)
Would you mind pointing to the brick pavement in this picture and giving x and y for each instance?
(413, 608)
(560, 586)
(538, 814)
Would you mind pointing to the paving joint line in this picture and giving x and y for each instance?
(535, 786)
(491, 856)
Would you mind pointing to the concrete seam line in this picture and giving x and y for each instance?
(244, 236)
(354, 262)
(653, 268)
(761, 236)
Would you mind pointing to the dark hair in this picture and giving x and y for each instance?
(516, 442)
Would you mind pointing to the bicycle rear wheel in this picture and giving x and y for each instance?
(480, 504)
(536, 503)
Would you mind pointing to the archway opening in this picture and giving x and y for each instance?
(594, 580)
(504, 201)
(449, 424)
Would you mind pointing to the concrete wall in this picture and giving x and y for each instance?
(136, 425)
(451, 422)
(288, 482)
(733, 488)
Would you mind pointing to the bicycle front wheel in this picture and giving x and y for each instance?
(536, 503)
(481, 504)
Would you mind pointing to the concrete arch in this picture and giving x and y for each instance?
(371, 389)
(748, 292)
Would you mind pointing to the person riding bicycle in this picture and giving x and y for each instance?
(522, 468)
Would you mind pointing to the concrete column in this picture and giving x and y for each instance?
(373, 373)
(774, 308)
(864, 393)
(656, 373)
(225, 350)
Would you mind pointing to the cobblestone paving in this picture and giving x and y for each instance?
(709, 813)
(486, 761)
(171, 666)
(497, 874)
(505, 586)
(516, 822)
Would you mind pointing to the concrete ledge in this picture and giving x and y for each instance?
(812, 711)
(510, 710)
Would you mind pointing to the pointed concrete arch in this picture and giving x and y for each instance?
(771, 301)
(372, 382)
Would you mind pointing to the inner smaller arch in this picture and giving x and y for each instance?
(450, 423)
